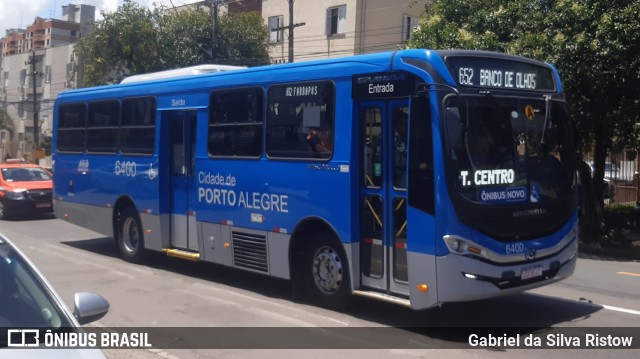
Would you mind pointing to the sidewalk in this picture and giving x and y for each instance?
(596, 250)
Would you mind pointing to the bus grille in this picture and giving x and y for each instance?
(250, 251)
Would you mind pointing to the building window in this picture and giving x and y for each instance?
(409, 23)
(69, 71)
(24, 80)
(47, 74)
(73, 34)
(274, 23)
(336, 20)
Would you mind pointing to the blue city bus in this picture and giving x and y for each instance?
(417, 177)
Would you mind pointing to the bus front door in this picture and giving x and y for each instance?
(383, 183)
(182, 140)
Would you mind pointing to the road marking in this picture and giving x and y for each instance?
(622, 310)
(629, 273)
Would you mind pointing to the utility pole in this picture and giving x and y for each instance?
(214, 39)
(34, 74)
(290, 29)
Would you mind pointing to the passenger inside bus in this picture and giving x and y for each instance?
(316, 145)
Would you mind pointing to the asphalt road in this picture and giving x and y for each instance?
(601, 296)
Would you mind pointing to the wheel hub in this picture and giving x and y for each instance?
(130, 233)
(327, 270)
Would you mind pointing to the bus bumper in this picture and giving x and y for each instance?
(463, 278)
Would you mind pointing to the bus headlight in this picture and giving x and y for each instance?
(455, 244)
(463, 246)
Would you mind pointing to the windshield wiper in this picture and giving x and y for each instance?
(547, 116)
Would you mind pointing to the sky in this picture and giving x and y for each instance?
(21, 13)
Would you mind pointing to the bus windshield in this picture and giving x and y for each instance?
(510, 150)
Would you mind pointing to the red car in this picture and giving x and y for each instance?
(24, 189)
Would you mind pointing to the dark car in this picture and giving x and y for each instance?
(24, 189)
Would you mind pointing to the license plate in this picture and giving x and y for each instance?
(531, 272)
(43, 205)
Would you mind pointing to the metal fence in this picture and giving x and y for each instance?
(621, 173)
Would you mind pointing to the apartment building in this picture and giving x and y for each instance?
(331, 28)
(42, 51)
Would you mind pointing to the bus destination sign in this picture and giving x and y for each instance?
(500, 74)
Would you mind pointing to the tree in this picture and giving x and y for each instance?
(6, 123)
(123, 43)
(243, 40)
(134, 40)
(593, 43)
(186, 38)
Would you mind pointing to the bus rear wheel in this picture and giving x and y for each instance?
(129, 236)
(327, 272)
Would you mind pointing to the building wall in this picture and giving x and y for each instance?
(245, 6)
(53, 67)
(371, 26)
(84, 15)
(382, 24)
(14, 100)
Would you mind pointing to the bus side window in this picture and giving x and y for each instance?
(235, 123)
(137, 132)
(300, 120)
(71, 127)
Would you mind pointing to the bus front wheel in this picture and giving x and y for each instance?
(327, 272)
(129, 235)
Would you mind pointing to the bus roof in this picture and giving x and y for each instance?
(200, 76)
(185, 71)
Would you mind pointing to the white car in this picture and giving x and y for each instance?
(28, 301)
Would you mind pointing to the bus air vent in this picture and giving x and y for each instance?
(250, 251)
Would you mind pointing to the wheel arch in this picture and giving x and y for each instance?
(121, 203)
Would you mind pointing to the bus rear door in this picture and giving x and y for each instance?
(383, 203)
(182, 140)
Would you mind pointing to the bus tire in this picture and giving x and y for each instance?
(326, 272)
(130, 236)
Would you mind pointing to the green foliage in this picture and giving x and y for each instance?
(6, 123)
(186, 39)
(134, 40)
(125, 42)
(243, 40)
